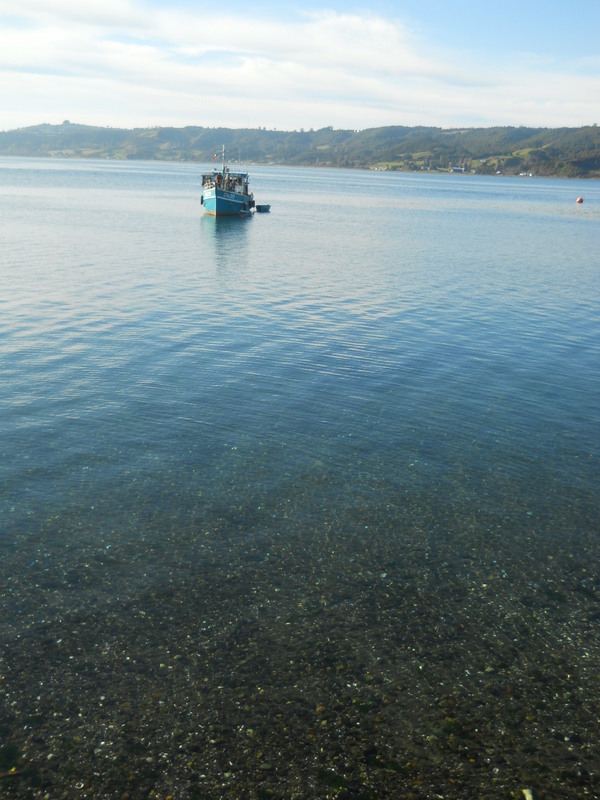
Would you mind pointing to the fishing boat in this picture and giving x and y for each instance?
(226, 193)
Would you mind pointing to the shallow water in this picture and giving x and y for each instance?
(300, 505)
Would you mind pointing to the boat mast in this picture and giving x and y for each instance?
(223, 167)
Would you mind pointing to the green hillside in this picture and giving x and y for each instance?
(562, 152)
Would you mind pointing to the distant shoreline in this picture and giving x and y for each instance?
(539, 152)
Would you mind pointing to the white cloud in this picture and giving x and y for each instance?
(120, 63)
(110, 14)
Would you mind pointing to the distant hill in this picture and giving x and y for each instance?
(562, 152)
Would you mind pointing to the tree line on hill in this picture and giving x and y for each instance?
(560, 152)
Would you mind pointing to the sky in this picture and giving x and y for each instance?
(301, 65)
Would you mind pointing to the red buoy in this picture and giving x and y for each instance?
(579, 200)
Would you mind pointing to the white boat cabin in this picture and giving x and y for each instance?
(231, 182)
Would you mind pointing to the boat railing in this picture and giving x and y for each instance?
(232, 183)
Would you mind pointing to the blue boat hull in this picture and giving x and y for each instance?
(220, 203)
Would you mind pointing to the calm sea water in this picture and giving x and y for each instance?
(385, 370)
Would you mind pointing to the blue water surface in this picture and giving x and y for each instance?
(393, 364)
(384, 325)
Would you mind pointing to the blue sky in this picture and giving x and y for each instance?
(130, 63)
